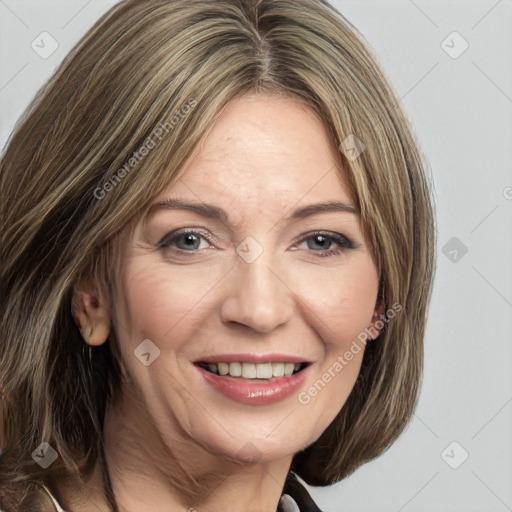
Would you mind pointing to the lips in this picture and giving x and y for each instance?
(254, 379)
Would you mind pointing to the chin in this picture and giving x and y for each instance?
(247, 444)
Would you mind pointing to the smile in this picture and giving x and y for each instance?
(252, 371)
(254, 379)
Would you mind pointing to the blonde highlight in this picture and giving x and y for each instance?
(134, 69)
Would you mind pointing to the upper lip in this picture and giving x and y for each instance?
(252, 358)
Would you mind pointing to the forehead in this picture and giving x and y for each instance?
(264, 149)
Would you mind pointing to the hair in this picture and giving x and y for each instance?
(66, 203)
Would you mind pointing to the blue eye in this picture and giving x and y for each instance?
(191, 240)
(320, 243)
(325, 240)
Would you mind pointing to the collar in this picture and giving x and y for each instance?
(58, 508)
(296, 497)
(287, 504)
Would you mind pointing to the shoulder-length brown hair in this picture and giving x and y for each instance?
(173, 66)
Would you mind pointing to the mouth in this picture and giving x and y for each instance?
(264, 372)
(254, 379)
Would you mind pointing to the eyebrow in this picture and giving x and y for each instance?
(214, 212)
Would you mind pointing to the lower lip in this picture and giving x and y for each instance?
(257, 392)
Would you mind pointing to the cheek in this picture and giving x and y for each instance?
(343, 305)
(339, 312)
(163, 305)
(159, 303)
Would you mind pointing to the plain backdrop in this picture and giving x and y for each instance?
(450, 64)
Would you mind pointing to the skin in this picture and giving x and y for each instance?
(262, 159)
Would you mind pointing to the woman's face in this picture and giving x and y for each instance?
(254, 273)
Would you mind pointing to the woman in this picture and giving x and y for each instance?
(217, 260)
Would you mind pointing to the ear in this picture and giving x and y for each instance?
(90, 312)
(378, 320)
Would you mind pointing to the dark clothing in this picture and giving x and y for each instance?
(299, 494)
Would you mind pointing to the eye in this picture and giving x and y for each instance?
(321, 243)
(188, 240)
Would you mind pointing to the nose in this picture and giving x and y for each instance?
(259, 296)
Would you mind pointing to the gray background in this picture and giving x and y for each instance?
(460, 107)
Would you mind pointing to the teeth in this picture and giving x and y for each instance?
(235, 369)
(248, 371)
(223, 368)
(255, 371)
(264, 371)
(278, 369)
(288, 369)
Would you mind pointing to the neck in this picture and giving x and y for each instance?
(150, 473)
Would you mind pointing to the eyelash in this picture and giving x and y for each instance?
(343, 242)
